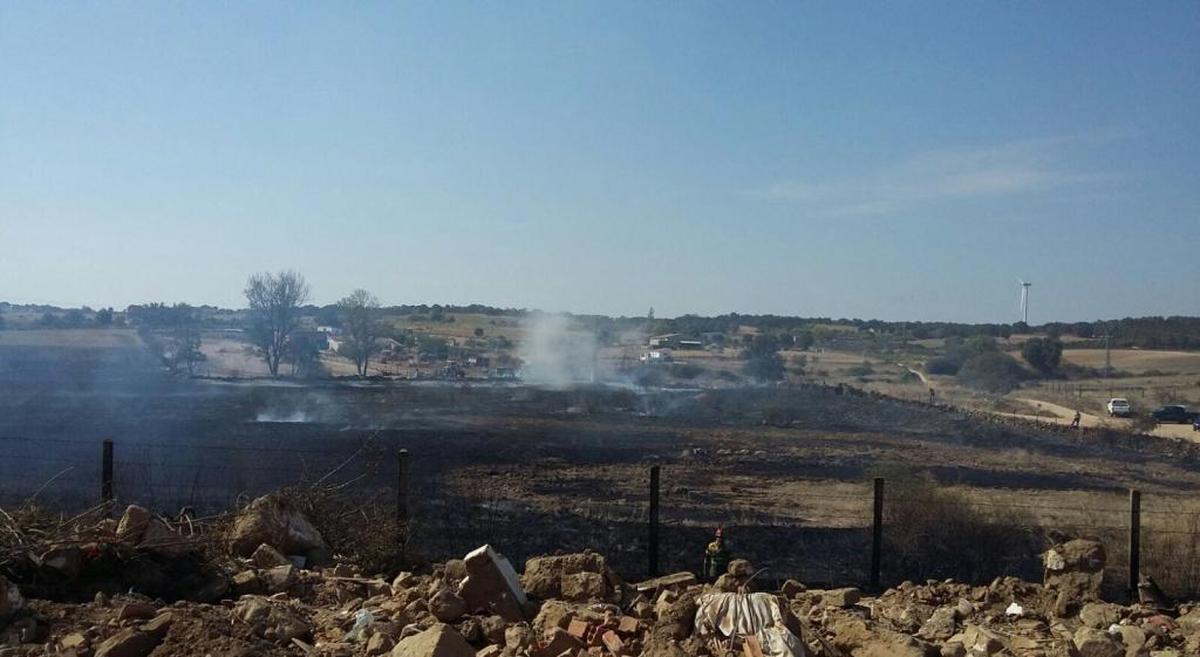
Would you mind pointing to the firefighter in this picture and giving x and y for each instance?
(716, 557)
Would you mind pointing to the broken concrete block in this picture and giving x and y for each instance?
(675, 580)
(492, 586)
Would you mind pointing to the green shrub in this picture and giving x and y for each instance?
(991, 372)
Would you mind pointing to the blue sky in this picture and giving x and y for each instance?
(899, 161)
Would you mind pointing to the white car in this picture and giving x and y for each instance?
(1119, 407)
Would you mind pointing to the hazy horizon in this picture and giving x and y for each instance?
(896, 162)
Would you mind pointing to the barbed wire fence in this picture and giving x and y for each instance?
(875, 533)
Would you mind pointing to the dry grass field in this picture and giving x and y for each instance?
(1138, 361)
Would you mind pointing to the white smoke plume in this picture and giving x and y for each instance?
(556, 353)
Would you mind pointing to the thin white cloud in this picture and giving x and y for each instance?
(1005, 170)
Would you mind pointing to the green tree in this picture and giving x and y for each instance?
(1044, 354)
(992, 371)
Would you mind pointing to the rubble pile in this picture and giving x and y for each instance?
(286, 595)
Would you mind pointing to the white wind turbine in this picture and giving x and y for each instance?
(1024, 301)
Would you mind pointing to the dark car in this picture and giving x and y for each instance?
(1196, 423)
(1173, 413)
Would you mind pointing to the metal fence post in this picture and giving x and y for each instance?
(1135, 532)
(401, 492)
(877, 534)
(652, 548)
(106, 472)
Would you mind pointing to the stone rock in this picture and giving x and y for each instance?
(979, 642)
(1090, 642)
(676, 615)
(266, 556)
(403, 582)
(441, 640)
(557, 643)
(791, 587)
(846, 597)
(543, 575)
(1099, 615)
(128, 643)
(273, 521)
(554, 615)
(455, 569)
(75, 641)
(159, 625)
(133, 523)
(269, 621)
(447, 606)
(583, 587)
(161, 539)
(471, 629)
(490, 651)
(740, 568)
(1074, 571)
(279, 578)
(518, 637)
(247, 582)
(491, 585)
(493, 629)
(854, 636)
(1133, 638)
(135, 610)
(940, 625)
(379, 644)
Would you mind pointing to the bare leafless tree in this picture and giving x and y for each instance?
(359, 313)
(275, 301)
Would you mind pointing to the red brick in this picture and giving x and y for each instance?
(614, 643)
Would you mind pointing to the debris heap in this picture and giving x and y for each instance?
(279, 592)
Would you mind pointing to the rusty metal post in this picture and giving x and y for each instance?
(877, 534)
(1135, 535)
(652, 549)
(402, 492)
(106, 472)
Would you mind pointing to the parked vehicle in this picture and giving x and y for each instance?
(1173, 413)
(1196, 424)
(1119, 407)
